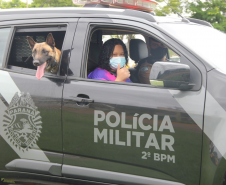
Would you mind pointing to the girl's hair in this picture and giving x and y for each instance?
(107, 52)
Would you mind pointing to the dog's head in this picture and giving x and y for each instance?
(42, 53)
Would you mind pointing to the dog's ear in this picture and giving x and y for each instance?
(31, 42)
(50, 40)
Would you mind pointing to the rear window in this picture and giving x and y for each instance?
(20, 57)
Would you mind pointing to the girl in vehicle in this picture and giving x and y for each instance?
(112, 61)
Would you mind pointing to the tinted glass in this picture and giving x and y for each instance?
(4, 34)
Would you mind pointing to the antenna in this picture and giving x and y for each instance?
(183, 18)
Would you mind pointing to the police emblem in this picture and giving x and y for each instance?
(22, 122)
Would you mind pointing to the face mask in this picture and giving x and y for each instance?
(158, 53)
(114, 61)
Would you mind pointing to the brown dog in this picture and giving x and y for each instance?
(45, 55)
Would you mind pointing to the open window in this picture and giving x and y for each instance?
(20, 57)
(100, 36)
(137, 44)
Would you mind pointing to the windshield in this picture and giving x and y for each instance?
(207, 42)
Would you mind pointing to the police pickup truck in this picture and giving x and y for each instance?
(67, 129)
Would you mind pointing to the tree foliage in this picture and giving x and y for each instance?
(167, 7)
(36, 3)
(12, 4)
(52, 3)
(213, 11)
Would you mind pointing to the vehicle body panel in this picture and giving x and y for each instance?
(98, 132)
(45, 98)
(79, 119)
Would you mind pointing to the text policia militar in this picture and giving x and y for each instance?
(110, 136)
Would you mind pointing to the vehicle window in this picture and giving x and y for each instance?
(4, 34)
(143, 50)
(49, 53)
(173, 56)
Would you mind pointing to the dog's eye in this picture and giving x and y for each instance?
(34, 51)
(44, 51)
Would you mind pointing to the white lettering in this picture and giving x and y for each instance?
(141, 119)
(168, 126)
(117, 119)
(163, 157)
(111, 136)
(169, 143)
(152, 141)
(138, 135)
(155, 123)
(96, 118)
(123, 121)
(101, 135)
(135, 121)
(156, 157)
(171, 158)
(117, 141)
(128, 138)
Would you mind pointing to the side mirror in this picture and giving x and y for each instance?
(171, 75)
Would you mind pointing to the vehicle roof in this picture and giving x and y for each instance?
(74, 11)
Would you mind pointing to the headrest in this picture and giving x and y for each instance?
(138, 49)
(94, 51)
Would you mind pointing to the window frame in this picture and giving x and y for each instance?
(8, 42)
(93, 28)
(83, 36)
(68, 24)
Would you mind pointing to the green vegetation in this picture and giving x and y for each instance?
(213, 11)
(36, 4)
(3, 180)
(51, 3)
(12, 4)
(169, 7)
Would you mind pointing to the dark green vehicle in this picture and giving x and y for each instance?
(67, 129)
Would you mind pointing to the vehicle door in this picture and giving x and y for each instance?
(131, 133)
(30, 109)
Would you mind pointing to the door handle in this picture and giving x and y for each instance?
(82, 100)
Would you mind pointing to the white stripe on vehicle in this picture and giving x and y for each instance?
(192, 102)
(8, 90)
(214, 117)
(215, 123)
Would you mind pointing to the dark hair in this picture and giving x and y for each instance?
(152, 39)
(107, 51)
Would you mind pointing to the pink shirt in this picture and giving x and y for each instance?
(102, 74)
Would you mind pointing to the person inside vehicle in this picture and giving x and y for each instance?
(158, 52)
(112, 61)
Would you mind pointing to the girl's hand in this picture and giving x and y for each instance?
(122, 74)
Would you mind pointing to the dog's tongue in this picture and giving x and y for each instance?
(40, 71)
